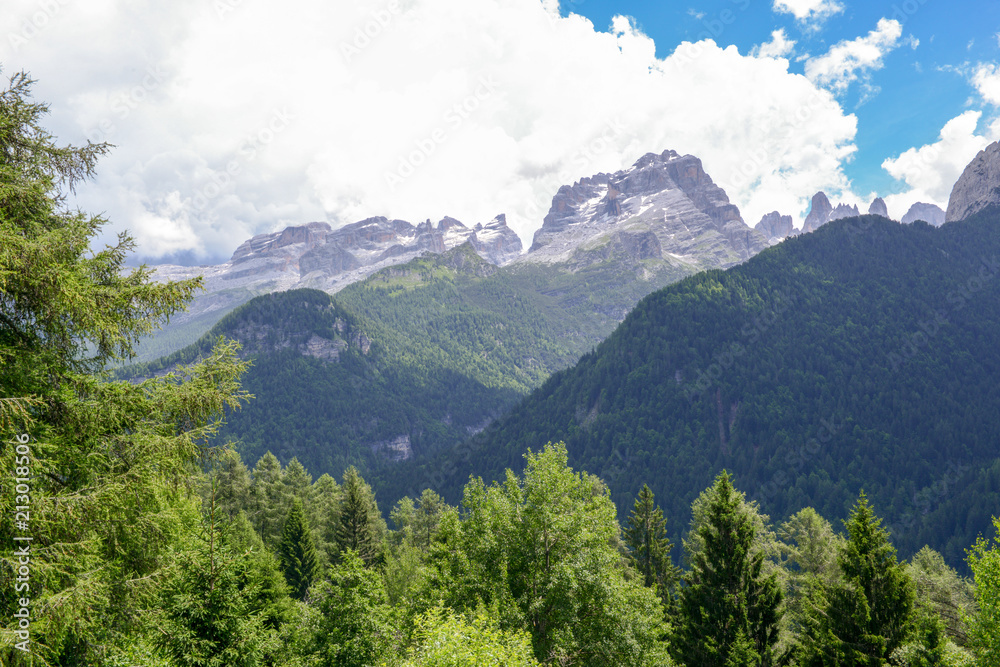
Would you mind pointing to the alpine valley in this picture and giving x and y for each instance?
(423, 334)
(812, 370)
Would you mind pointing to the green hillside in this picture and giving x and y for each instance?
(862, 356)
(427, 354)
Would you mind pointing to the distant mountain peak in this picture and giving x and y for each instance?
(822, 211)
(776, 227)
(929, 213)
(664, 194)
(878, 207)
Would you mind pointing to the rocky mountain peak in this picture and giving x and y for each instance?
(495, 241)
(264, 245)
(843, 211)
(878, 207)
(822, 211)
(775, 226)
(978, 187)
(819, 212)
(929, 213)
(664, 194)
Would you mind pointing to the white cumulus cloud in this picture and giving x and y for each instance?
(986, 80)
(779, 46)
(811, 12)
(853, 60)
(238, 117)
(930, 171)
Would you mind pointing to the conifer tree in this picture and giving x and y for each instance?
(361, 526)
(213, 611)
(354, 627)
(729, 611)
(426, 518)
(324, 516)
(234, 487)
(297, 482)
(646, 537)
(298, 552)
(271, 499)
(108, 459)
(864, 619)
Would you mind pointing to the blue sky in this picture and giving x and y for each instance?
(918, 89)
(237, 117)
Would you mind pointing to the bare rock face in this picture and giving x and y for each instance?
(775, 226)
(929, 213)
(495, 241)
(822, 212)
(819, 213)
(978, 187)
(843, 211)
(315, 255)
(878, 207)
(663, 207)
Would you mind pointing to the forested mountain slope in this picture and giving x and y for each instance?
(862, 356)
(415, 358)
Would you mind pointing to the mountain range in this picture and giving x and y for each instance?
(811, 357)
(664, 212)
(861, 356)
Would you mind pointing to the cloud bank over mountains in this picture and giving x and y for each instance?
(235, 117)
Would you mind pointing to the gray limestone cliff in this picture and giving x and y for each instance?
(878, 207)
(929, 213)
(775, 226)
(663, 207)
(819, 213)
(978, 187)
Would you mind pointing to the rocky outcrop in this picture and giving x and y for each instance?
(822, 211)
(316, 255)
(978, 187)
(663, 207)
(395, 450)
(843, 211)
(269, 245)
(929, 213)
(878, 207)
(775, 226)
(495, 241)
(819, 213)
